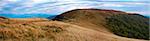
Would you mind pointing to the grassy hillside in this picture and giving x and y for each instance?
(118, 22)
(89, 18)
(34, 29)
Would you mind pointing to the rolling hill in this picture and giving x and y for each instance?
(121, 23)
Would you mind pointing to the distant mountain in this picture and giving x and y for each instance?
(36, 15)
(51, 17)
(3, 17)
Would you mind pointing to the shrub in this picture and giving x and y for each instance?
(132, 26)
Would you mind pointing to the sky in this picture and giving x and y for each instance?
(29, 8)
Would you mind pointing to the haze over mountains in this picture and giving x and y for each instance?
(77, 25)
(36, 15)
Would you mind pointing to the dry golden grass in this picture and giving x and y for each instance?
(25, 30)
(52, 31)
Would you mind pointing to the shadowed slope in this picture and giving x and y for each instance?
(129, 25)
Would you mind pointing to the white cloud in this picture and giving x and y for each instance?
(125, 0)
(112, 5)
(134, 3)
(124, 4)
(13, 0)
(32, 6)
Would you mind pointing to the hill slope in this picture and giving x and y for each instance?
(99, 19)
(45, 30)
(89, 18)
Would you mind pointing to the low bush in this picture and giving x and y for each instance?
(132, 26)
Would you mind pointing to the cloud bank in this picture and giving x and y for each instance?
(56, 7)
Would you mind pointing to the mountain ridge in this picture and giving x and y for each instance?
(96, 19)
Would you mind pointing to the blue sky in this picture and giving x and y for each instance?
(55, 7)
